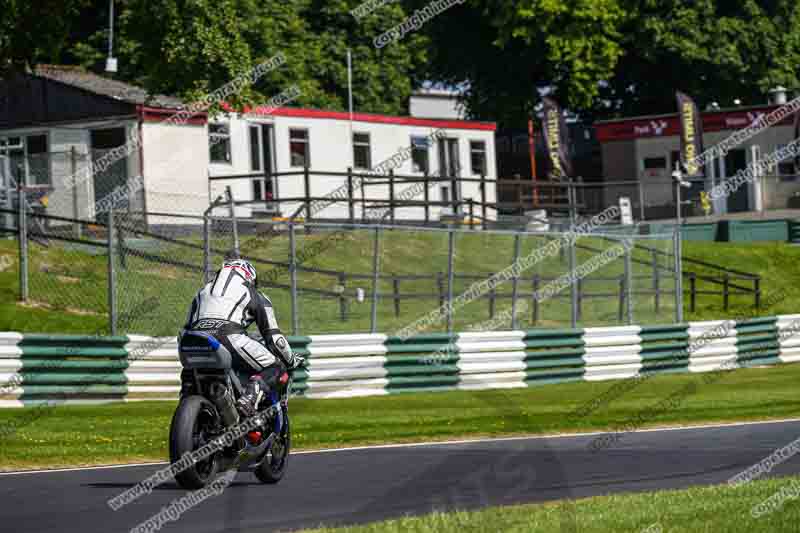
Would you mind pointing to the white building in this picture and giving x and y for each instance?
(58, 123)
(288, 140)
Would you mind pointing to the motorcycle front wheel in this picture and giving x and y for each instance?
(271, 469)
(191, 428)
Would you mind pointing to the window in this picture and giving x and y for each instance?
(785, 167)
(361, 152)
(29, 160)
(255, 152)
(219, 141)
(674, 157)
(477, 155)
(654, 163)
(38, 160)
(419, 154)
(299, 155)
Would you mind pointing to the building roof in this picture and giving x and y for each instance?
(88, 81)
(375, 118)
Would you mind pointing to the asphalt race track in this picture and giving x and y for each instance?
(368, 484)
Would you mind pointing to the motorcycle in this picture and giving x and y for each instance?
(207, 410)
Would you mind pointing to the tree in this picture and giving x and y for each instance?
(191, 47)
(31, 32)
(614, 57)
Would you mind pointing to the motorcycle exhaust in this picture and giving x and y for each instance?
(223, 400)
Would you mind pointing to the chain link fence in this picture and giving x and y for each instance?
(141, 270)
(334, 278)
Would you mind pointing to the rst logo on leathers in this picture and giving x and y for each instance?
(209, 324)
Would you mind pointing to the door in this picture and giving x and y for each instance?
(450, 167)
(734, 161)
(261, 160)
(116, 174)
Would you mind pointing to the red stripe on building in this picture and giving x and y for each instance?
(297, 112)
(666, 125)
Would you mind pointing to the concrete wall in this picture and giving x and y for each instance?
(176, 163)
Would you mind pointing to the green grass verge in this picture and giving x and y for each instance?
(68, 285)
(118, 433)
(695, 510)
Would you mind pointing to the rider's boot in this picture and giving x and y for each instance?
(253, 392)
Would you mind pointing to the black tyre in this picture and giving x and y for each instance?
(191, 424)
(273, 466)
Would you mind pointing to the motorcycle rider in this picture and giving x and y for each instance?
(225, 308)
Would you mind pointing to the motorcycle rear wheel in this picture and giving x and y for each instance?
(190, 430)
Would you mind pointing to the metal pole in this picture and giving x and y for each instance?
(573, 259)
(73, 171)
(206, 249)
(677, 253)
(373, 321)
(573, 289)
(112, 297)
(515, 283)
(293, 276)
(629, 282)
(641, 199)
(232, 207)
(22, 226)
(451, 248)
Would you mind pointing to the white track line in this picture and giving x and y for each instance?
(439, 443)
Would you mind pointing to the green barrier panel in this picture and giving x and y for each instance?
(794, 231)
(665, 349)
(753, 230)
(422, 363)
(707, 231)
(72, 364)
(553, 356)
(757, 341)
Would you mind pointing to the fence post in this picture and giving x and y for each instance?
(427, 198)
(535, 311)
(451, 245)
(471, 213)
(726, 281)
(232, 208)
(112, 295)
(515, 281)
(579, 285)
(692, 291)
(396, 293)
(629, 283)
(573, 293)
(22, 228)
(373, 322)
(293, 276)
(391, 194)
(351, 207)
(641, 199)
(440, 286)
(676, 241)
(483, 199)
(73, 167)
(656, 280)
(757, 291)
(307, 192)
(342, 299)
(206, 249)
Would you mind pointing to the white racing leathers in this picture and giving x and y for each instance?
(226, 307)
